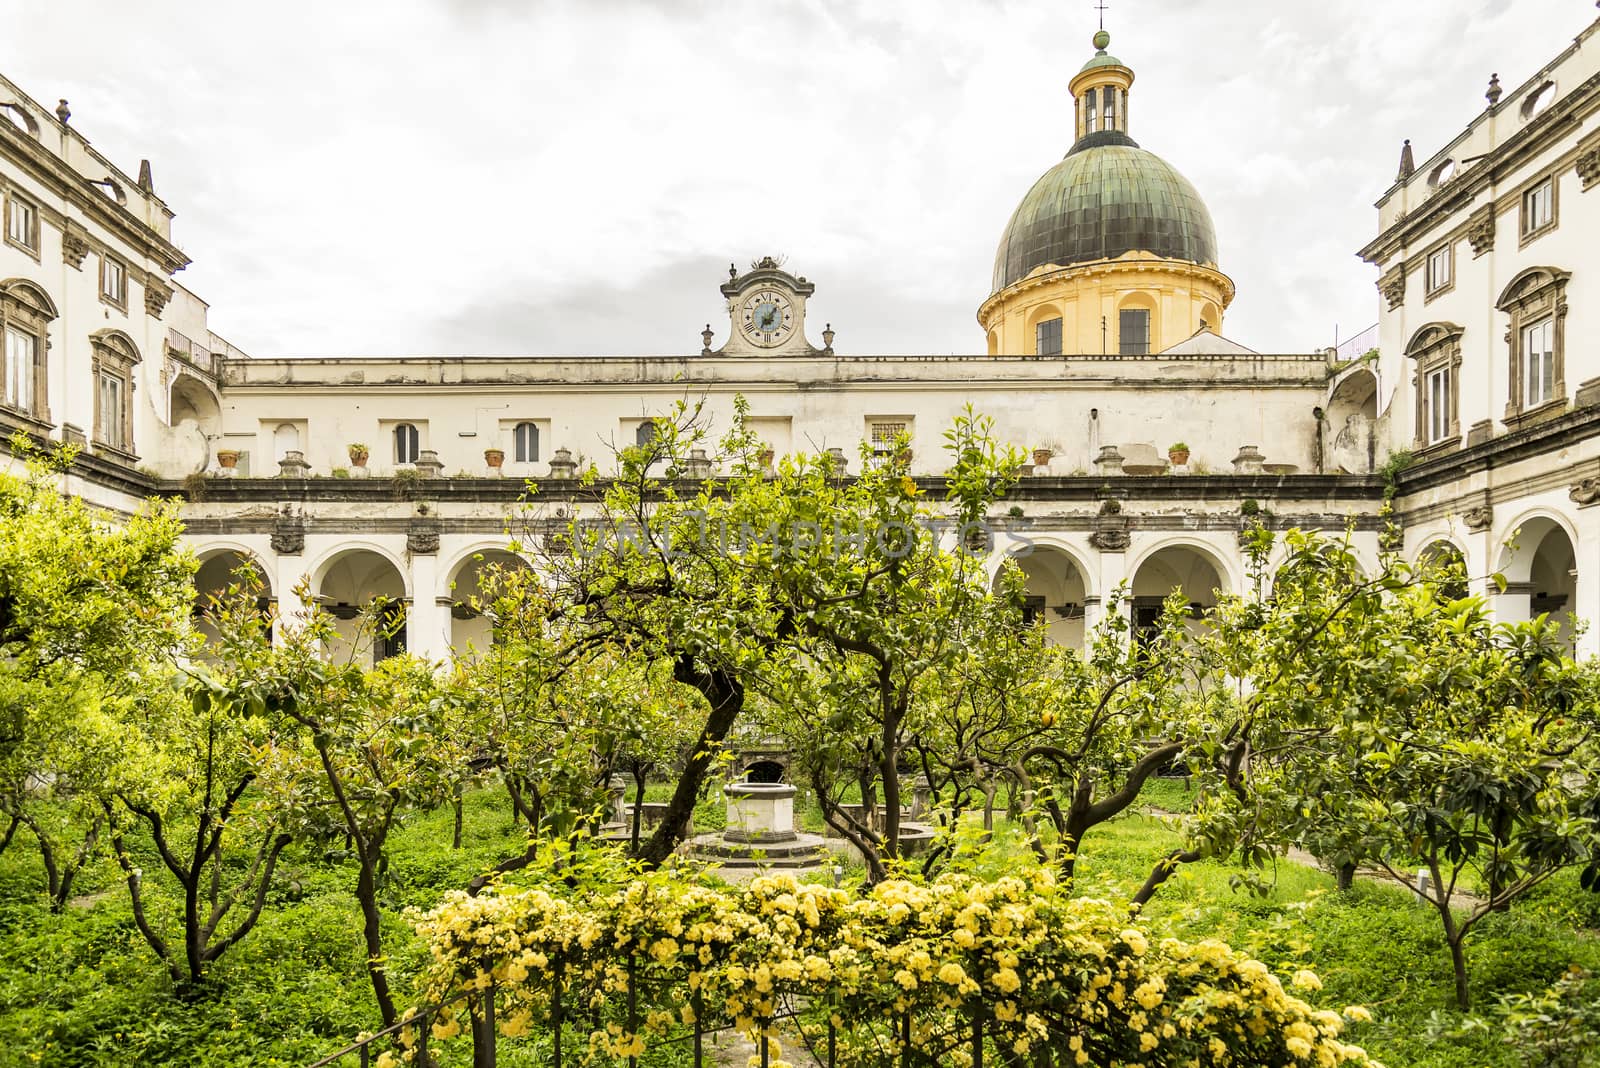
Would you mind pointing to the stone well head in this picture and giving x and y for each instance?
(759, 812)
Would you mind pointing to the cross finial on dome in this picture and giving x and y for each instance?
(1101, 7)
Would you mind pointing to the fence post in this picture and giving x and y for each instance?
(555, 1022)
(699, 1027)
(633, 1003)
(833, 1041)
(766, 1050)
(424, 1027)
(977, 1037)
(905, 1040)
(483, 1038)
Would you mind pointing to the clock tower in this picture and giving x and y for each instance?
(767, 312)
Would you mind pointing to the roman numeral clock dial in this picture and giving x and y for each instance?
(767, 318)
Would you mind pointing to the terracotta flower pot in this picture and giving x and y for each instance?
(358, 457)
(1179, 457)
(1041, 457)
(228, 459)
(494, 457)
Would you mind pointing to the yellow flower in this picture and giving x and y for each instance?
(1298, 1046)
(1306, 979)
(1358, 1013)
(952, 973)
(1148, 1042)
(1006, 980)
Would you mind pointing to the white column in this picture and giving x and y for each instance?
(1587, 583)
(286, 576)
(1113, 571)
(427, 624)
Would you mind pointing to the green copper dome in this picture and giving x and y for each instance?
(1106, 198)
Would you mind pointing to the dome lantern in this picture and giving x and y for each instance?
(1100, 96)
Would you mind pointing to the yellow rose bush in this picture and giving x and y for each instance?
(1018, 962)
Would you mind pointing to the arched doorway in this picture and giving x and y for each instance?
(366, 595)
(1540, 566)
(1187, 569)
(472, 586)
(1449, 566)
(220, 571)
(1055, 592)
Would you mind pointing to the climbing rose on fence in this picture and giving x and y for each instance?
(1019, 958)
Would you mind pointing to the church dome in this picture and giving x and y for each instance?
(1106, 198)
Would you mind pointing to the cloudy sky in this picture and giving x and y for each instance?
(574, 176)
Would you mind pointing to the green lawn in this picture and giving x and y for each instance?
(82, 989)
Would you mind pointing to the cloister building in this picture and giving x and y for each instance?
(1100, 345)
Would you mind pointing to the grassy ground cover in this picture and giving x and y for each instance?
(81, 988)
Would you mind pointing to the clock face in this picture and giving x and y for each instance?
(766, 318)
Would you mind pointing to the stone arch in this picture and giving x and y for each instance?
(994, 342)
(1193, 567)
(1211, 317)
(1352, 416)
(194, 414)
(1439, 548)
(19, 117)
(220, 568)
(118, 342)
(27, 292)
(1539, 561)
(349, 580)
(470, 630)
(1042, 313)
(1057, 589)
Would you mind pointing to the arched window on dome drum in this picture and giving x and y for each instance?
(1047, 337)
(1109, 122)
(525, 443)
(1133, 332)
(1090, 111)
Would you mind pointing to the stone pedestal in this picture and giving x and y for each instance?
(759, 812)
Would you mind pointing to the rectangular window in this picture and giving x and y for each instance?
(1438, 273)
(22, 224)
(1133, 332)
(1091, 111)
(1436, 405)
(1047, 338)
(113, 281)
(1539, 207)
(21, 348)
(1538, 362)
(110, 411)
(883, 437)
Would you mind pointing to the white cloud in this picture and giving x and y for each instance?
(568, 176)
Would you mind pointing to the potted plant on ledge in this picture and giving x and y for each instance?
(1178, 453)
(1042, 456)
(358, 454)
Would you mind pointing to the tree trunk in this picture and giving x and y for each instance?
(372, 933)
(1161, 873)
(1346, 876)
(638, 810)
(455, 804)
(726, 696)
(1454, 937)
